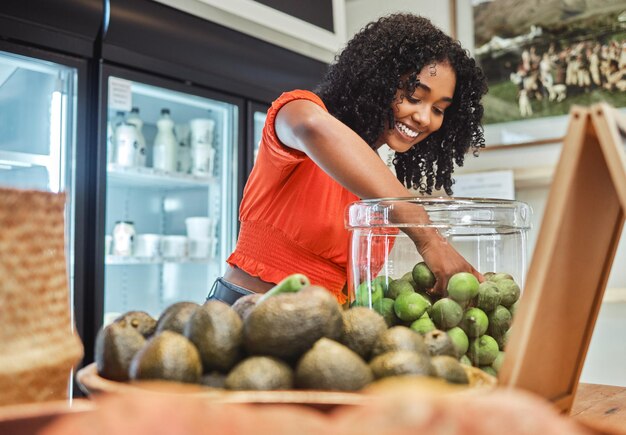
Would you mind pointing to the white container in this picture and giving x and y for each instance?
(184, 148)
(147, 245)
(141, 152)
(198, 227)
(200, 248)
(202, 131)
(125, 145)
(165, 144)
(123, 238)
(202, 158)
(173, 246)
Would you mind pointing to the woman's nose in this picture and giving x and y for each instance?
(422, 116)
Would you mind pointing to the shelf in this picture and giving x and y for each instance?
(155, 178)
(116, 260)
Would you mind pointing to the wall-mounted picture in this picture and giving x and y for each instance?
(542, 56)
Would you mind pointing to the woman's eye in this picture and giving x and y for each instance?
(438, 111)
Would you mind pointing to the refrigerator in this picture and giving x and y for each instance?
(168, 213)
(71, 71)
(43, 110)
(256, 114)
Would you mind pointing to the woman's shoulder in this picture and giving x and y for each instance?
(296, 94)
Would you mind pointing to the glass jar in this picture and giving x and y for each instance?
(490, 234)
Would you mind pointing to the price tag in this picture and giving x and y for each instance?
(120, 94)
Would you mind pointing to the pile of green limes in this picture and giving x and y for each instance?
(476, 316)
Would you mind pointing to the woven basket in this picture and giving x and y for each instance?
(38, 347)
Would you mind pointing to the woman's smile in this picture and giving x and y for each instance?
(410, 134)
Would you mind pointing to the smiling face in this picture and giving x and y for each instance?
(421, 114)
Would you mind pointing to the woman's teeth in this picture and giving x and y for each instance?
(406, 130)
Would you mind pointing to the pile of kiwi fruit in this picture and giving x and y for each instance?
(297, 336)
(476, 316)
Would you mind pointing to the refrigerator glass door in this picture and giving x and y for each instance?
(171, 207)
(37, 131)
(259, 122)
(37, 101)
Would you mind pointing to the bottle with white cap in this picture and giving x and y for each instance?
(140, 154)
(165, 144)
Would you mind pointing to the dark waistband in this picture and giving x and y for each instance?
(227, 292)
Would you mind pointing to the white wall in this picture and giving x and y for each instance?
(360, 12)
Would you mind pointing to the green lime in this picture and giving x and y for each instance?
(384, 281)
(465, 361)
(497, 363)
(409, 277)
(426, 296)
(474, 322)
(397, 287)
(368, 293)
(422, 276)
(499, 277)
(462, 287)
(513, 308)
(488, 296)
(446, 313)
(423, 325)
(410, 306)
(499, 321)
(483, 350)
(509, 292)
(488, 275)
(459, 340)
(385, 309)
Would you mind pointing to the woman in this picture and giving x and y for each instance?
(400, 81)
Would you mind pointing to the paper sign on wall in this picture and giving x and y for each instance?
(120, 94)
(493, 184)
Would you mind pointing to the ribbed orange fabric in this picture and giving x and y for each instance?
(292, 214)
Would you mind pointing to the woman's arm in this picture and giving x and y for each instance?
(342, 154)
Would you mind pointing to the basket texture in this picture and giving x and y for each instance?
(38, 346)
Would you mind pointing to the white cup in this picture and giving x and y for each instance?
(108, 244)
(147, 245)
(201, 131)
(198, 227)
(173, 246)
(200, 248)
(202, 157)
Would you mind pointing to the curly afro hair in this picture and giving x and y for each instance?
(360, 85)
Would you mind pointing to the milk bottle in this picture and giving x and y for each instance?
(141, 152)
(126, 145)
(165, 144)
(111, 127)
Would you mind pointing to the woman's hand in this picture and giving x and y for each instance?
(444, 261)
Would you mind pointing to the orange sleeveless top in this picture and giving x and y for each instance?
(292, 214)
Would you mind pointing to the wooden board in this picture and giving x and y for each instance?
(570, 267)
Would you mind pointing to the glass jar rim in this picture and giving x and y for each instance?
(442, 212)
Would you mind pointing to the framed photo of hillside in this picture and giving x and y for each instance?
(541, 57)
